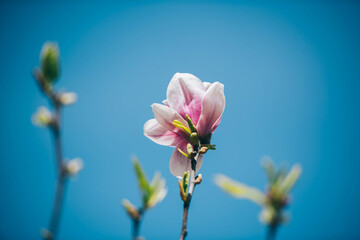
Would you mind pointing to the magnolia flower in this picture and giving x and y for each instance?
(203, 102)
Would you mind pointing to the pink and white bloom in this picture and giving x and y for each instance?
(186, 94)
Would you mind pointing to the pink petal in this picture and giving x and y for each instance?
(216, 124)
(179, 163)
(184, 94)
(213, 106)
(155, 132)
(166, 116)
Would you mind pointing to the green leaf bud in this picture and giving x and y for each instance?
(50, 62)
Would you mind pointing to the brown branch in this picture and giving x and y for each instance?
(136, 224)
(190, 194)
(61, 172)
(271, 233)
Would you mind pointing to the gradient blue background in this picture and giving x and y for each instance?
(292, 77)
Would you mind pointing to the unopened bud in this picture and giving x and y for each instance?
(198, 179)
(189, 148)
(67, 98)
(194, 138)
(74, 166)
(203, 150)
(42, 117)
(49, 59)
(131, 209)
(182, 192)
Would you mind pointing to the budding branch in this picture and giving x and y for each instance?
(60, 163)
(193, 160)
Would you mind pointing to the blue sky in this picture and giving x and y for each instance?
(291, 75)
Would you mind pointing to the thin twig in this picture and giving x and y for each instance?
(59, 159)
(190, 194)
(271, 233)
(136, 224)
(61, 171)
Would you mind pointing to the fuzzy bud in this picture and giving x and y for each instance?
(74, 166)
(67, 98)
(42, 118)
(131, 209)
(198, 179)
(203, 150)
(50, 63)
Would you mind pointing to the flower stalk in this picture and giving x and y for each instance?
(188, 197)
(186, 120)
(193, 157)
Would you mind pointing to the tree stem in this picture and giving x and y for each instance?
(61, 171)
(57, 207)
(271, 233)
(189, 196)
(136, 224)
(61, 174)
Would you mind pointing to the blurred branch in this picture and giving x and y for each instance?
(271, 234)
(136, 224)
(61, 170)
(55, 128)
(45, 77)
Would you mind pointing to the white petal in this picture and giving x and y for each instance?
(166, 116)
(206, 85)
(213, 106)
(180, 164)
(165, 102)
(155, 132)
(184, 94)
